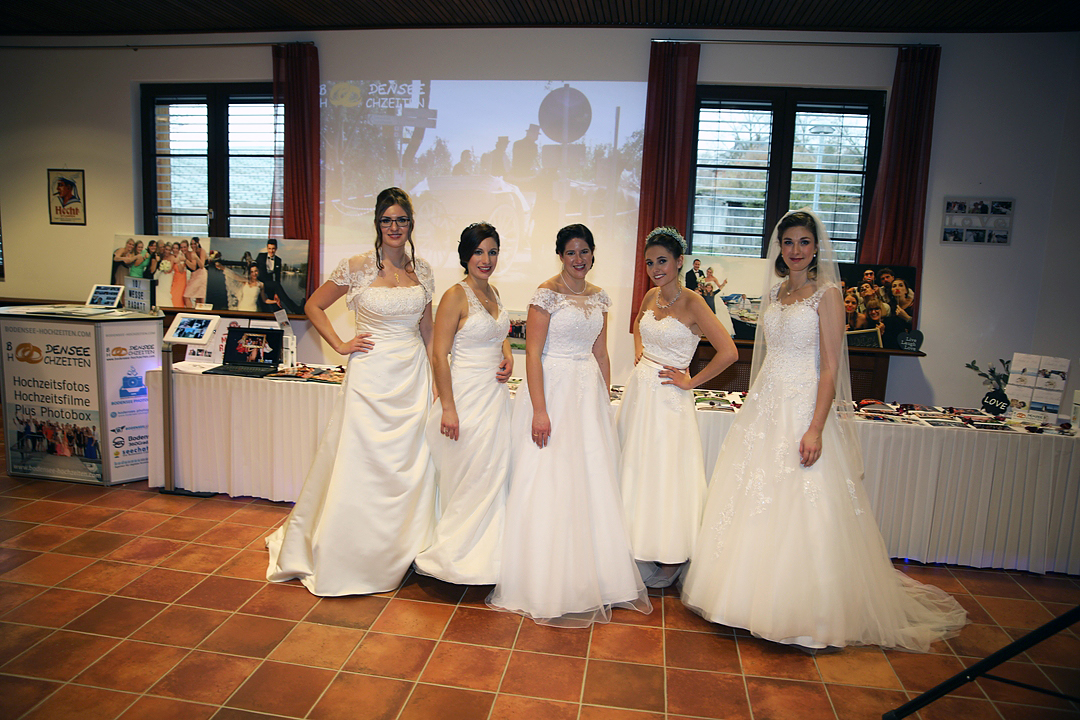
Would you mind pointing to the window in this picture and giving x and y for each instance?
(761, 152)
(208, 159)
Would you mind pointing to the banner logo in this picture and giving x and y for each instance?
(27, 353)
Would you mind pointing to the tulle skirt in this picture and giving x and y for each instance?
(794, 555)
(566, 552)
(471, 475)
(662, 470)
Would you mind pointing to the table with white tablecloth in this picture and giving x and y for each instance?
(952, 495)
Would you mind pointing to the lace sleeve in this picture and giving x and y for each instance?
(426, 278)
(775, 291)
(340, 276)
(547, 300)
(600, 301)
(359, 271)
(815, 299)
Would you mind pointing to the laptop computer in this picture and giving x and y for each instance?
(251, 352)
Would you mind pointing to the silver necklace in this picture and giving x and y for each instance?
(665, 307)
(571, 289)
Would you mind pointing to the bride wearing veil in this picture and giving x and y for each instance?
(789, 548)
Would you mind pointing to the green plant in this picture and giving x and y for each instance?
(993, 378)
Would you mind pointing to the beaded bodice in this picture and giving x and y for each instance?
(576, 321)
(667, 340)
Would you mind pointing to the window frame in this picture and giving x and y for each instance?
(785, 104)
(216, 97)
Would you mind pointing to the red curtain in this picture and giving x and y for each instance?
(894, 228)
(295, 210)
(667, 156)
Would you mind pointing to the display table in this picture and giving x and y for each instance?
(960, 496)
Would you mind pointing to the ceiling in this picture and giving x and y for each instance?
(148, 17)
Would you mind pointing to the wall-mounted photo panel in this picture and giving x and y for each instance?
(977, 221)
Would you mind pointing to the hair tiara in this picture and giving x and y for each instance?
(669, 231)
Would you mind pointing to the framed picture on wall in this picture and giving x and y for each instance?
(978, 221)
(67, 197)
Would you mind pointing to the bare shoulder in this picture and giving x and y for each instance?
(454, 294)
(550, 284)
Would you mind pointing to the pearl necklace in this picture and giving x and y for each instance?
(571, 289)
(665, 307)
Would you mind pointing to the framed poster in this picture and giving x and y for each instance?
(982, 220)
(67, 197)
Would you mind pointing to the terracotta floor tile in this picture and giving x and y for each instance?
(11, 558)
(17, 695)
(248, 564)
(281, 601)
(180, 528)
(85, 516)
(424, 587)
(509, 707)
(383, 699)
(198, 558)
(14, 639)
(146, 551)
(866, 666)
(8, 503)
(166, 504)
(775, 660)
(283, 689)
(39, 512)
(476, 595)
(122, 499)
(220, 593)
(161, 584)
(939, 577)
(1022, 672)
(116, 616)
(94, 543)
(102, 576)
(626, 616)
(431, 701)
(702, 651)
(772, 699)
(211, 509)
(55, 608)
(231, 535)
(410, 617)
(326, 646)
(679, 617)
(11, 528)
(627, 643)
(261, 516)
(35, 489)
(712, 695)
(1061, 650)
(1009, 711)
(976, 613)
(132, 666)
(593, 712)
(1067, 680)
(1015, 613)
(356, 611)
(133, 522)
(79, 493)
(468, 666)
(60, 656)
(247, 635)
(159, 708)
(205, 677)
(84, 703)
(12, 595)
(979, 640)
(625, 685)
(555, 677)
(952, 708)
(483, 627)
(46, 568)
(393, 656)
(546, 639)
(1050, 588)
(180, 625)
(863, 703)
(42, 537)
(993, 584)
(919, 672)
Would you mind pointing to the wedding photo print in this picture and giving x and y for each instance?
(244, 274)
(880, 297)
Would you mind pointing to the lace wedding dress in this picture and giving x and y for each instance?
(793, 554)
(566, 552)
(663, 472)
(368, 503)
(471, 472)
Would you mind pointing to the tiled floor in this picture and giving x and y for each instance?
(124, 603)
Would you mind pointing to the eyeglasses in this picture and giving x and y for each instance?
(398, 221)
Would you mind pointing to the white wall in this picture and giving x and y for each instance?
(1007, 111)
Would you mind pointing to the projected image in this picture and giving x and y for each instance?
(528, 157)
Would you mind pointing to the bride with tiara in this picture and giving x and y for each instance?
(788, 547)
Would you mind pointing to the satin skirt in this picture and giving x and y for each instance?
(471, 474)
(566, 553)
(368, 503)
(794, 554)
(662, 475)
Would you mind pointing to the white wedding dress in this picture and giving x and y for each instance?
(471, 472)
(368, 503)
(566, 552)
(663, 472)
(793, 554)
